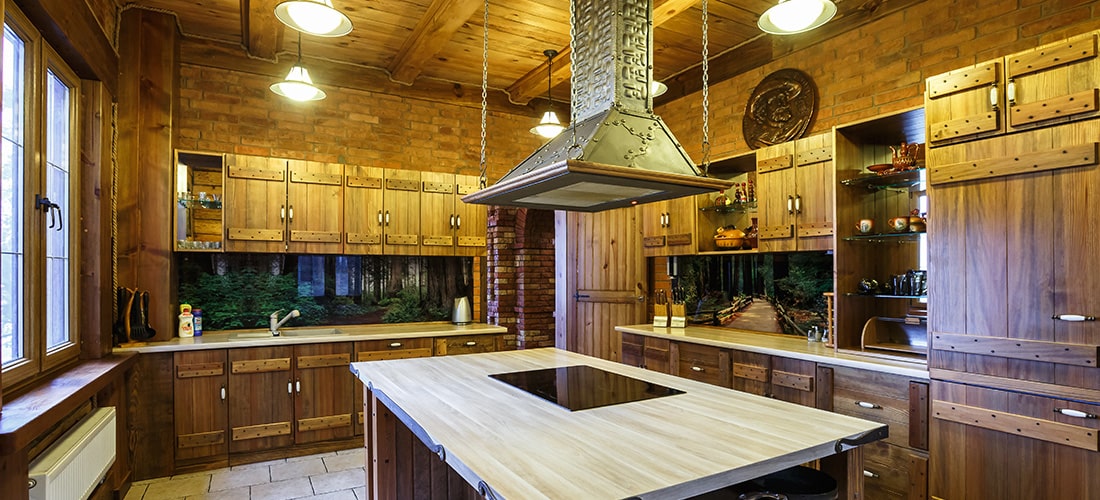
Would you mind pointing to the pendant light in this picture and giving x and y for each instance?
(298, 85)
(796, 16)
(316, 17)
(549, 127)
(656, 89)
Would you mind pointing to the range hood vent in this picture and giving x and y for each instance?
(618, 153)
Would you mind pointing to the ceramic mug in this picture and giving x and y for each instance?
(899, 224)
(865, 225)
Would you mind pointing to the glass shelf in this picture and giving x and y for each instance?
(885, 296)
(883, 237)
(212, 204)
(906, 179)
(731, 208)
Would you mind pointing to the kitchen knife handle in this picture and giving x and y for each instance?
(1073, 317)
(1074, 413)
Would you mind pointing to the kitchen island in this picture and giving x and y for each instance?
(508, 443)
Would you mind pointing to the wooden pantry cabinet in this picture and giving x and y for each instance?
(796, 193)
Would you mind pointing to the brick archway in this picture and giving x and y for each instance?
(520, 274)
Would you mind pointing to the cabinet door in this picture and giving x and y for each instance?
(750, 372)
(373, 350)
(363, 212)
(201, 416)
(261, 398)
(315, 211)
(437, 214)
(793, 380)
(472, 221)
(653, 217)
(815, 193)
(680, 226)
(964, 104)
(255, 204)
(1053, 83)
(892, 472)
(401, 212)
(775, 178)
(324, 392)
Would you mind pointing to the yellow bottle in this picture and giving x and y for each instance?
(187, 321)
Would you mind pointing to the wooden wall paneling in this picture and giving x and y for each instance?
(96, 268)
(437, 214)
(151, 403)
(947, 296)
(73, 30)
(986, 267)
(254, 204)
(263, 400)
(401, 212)
(315, 207)
(472, 220)
(148, 50)
(363, 217)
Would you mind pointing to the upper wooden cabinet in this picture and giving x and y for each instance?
(668, 227)
(1046, 85)
(315, 218)
(198, 208)
(401, 212)
(363, 210)
(796, 195)
(448, 226)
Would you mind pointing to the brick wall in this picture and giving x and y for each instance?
(881, 67)
(521, 274)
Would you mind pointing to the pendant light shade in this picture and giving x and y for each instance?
(656, 89)
(796, 16)
(550, 126)
(298, 85)
(316, 17)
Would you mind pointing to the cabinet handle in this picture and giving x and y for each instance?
(289, 387)
(697, 369)
(379, 217)
(864, 404)
(387, 217)
(1010, 92)
(790, 205)
(298, 386)
(1073, 317)
(797, 204)
(292, 214)
(458, 219)
(993, 101)
(1074, 413)
(282, 213)
(867, 473)
(471, 343)
(452, 221)
(223, 393)
(395, 345)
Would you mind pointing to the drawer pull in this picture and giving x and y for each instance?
(471, 343)
(864, 404)
(697, 369)
(395, 345)
(1074, 317)
(867, 473)
(1074, 413)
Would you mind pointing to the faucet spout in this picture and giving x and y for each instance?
(276, 322)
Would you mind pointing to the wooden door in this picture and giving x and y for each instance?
(680, 228)
(261, 398)
(652, 217)
(437, 214)
(401, 212)
(324, 392)
(1053, 83)
(964, 104)
(315, 211)
(750, 372)
(363, 212)
(776, 186)
(255, 204)
(815, 194)
(201, 416)
(600, 280)
(472, 220)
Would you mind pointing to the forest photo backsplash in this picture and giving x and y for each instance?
(238, 291)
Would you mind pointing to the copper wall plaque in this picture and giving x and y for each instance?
(780, 108)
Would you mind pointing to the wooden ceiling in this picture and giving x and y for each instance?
(432, 42)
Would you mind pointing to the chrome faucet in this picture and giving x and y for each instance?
(276, 322)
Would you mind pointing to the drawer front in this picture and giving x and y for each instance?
(874, 396)
(465, 344)
(373, 350)
(891, 472)
(657, 354)
(703, 363)
(632, 351)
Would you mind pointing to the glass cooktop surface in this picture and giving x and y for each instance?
(582, 387)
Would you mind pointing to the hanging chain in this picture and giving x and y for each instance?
(706, 95)
(484, 88)
(572, 87)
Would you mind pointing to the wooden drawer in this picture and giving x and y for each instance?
(793, 380)
(884, 398)
(701, 362)
(750, 372)
(373, 350)
(465, 344)
(894, 472)
(645, 352)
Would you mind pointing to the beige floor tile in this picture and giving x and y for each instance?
(342, 480)
(358, 449)
(301, 468)
(335, 495)
(283, 490)
(241, 493)
(136, 491)
(177, 488)
(266, 463)
(345, 462)
(361, 493)
(230, 479)
(310, 457)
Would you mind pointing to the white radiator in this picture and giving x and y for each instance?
(72, 467)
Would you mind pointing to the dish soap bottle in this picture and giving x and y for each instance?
(187, 321)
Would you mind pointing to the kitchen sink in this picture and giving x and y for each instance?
(302, 332)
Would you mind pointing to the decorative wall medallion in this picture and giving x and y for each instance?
(780, 108)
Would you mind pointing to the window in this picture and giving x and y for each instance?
(38, 202)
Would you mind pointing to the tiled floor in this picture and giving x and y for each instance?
(328, 476)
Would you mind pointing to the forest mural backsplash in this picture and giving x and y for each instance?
(241, 290)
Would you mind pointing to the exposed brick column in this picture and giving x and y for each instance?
(520, 274)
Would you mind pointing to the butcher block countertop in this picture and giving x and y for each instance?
(780, 345)
(524, 447)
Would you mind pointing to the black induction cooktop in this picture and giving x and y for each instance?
(582, 387)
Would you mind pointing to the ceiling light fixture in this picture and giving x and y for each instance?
(656, 89)
(796, 16)
(550, 126)
(316, 17)
(298, 85)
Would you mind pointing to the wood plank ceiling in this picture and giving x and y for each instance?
(438, 43)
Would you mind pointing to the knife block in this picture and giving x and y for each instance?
(660, 315)
(677, 318)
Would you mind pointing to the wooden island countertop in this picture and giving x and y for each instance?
(522, 446)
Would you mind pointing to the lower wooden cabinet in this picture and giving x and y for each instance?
(651, 353)
(701, 362)
(322, 386)
(200, 381)
(894, 472)
(374, 350)
(465, 344)
(261, 398)
(787, 379)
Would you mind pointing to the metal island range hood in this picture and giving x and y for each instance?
(618, 153)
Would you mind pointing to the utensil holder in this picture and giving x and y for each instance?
(660, 315)
(677, 319)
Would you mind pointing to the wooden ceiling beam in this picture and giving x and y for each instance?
(434, 30)
(533, 83)
(260, 28)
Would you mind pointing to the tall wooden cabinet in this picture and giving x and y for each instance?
(796, 183)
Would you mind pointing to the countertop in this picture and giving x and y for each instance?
(525, 447)
(780, 345)
(311, 335)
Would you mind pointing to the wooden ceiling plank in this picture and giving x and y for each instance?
(260, 27)
(432, 32)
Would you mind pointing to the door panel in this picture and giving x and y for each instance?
(472, 220)
(401, 213)
(315, 215)
(775, 182)
(437, 214)
(262, 397)
(255, 204)
(363, 215)
(324, 390)
(201, 417)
